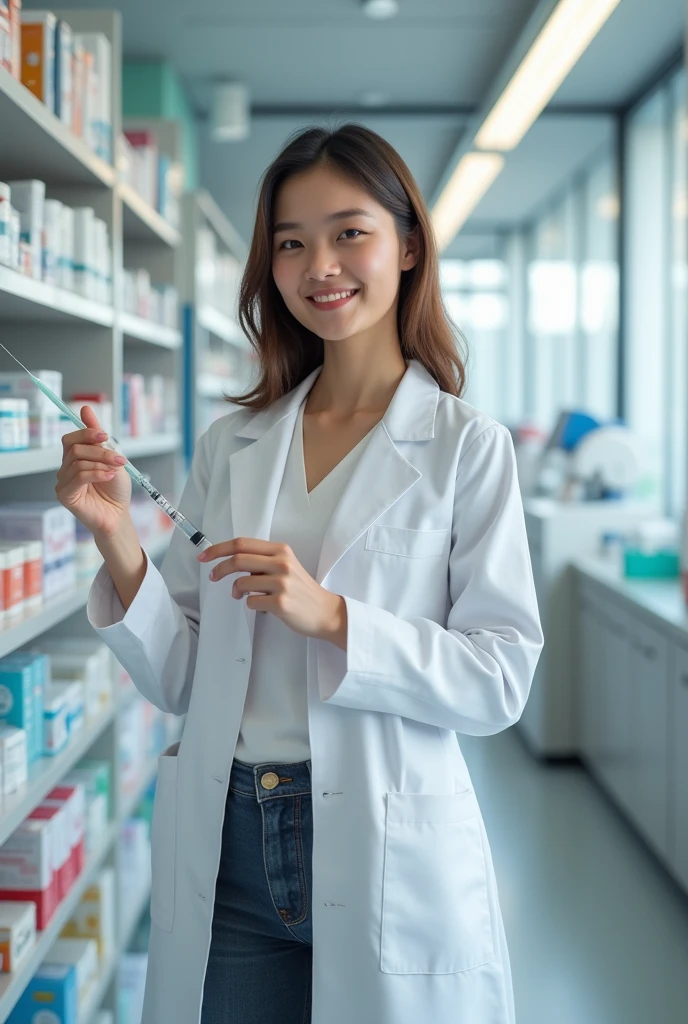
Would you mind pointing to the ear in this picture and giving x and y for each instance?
(410, 249)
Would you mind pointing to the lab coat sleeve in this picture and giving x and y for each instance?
(474, 675)
(157, 637)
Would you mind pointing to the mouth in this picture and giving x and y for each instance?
(332, 300)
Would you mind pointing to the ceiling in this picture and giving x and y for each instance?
(304, 56)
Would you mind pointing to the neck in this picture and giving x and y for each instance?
(357, 376)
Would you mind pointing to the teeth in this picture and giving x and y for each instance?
(334, 296)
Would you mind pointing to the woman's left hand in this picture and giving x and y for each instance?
(284, 587)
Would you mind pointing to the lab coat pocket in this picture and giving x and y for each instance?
(399, 540)
(164, 840)
(436, 915)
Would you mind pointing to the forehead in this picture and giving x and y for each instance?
(313, 194)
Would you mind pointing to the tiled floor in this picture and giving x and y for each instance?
(598, 932)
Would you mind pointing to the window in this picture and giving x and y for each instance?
(475, 295)
(646, 292)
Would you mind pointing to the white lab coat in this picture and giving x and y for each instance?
(428, 548)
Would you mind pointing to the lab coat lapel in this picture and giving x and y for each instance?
(256, 470)
(380, 477)
(382, 474)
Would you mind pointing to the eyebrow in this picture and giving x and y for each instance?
(288, 225)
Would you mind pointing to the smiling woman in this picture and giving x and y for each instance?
(342, 246)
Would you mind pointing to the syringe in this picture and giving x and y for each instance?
(198, 539)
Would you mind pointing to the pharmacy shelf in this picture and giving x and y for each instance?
(136, 328)
(45, 774)
(97, 991)
(156, 444)
(222, 326)
(12, 985)
(37, 145)
(15, 633)
(28, 461)
(131, 800)
(95, 996)
(140, 904)
(141, 222)
(29, 626)
(25, 300)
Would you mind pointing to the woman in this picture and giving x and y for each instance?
(318, 850)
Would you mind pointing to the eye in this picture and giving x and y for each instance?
(348, 230)
(287, 244)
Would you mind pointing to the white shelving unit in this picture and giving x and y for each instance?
(92, 345)
(218, 356)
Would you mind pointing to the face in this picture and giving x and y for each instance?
(336, 256)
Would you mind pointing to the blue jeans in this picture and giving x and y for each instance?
(261, 954)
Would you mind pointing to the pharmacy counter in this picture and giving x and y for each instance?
(631, 669)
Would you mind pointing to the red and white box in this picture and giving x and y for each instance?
(61, 848)
(26, 869)
(73, 799)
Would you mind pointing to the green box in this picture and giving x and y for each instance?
(661, 565)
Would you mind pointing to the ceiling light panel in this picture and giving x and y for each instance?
(566, 35)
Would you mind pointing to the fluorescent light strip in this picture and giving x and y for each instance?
(471, 179)
(566, 35)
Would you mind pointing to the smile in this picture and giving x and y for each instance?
(333, 300)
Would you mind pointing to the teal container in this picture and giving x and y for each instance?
(661, 565)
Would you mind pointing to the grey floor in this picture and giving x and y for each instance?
(598, 932)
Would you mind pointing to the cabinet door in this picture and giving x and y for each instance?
(678, 768)
(615, 758)
(650, 761)
(589, 703)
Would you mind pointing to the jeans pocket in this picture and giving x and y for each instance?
(436, 916)
(164, 841)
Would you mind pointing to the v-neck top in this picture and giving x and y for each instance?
(274, 726)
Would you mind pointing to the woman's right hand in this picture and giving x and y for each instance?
(91, 482)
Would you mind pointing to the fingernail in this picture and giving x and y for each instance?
(212, 574)
(101, 436)
(201, 557)
(120, 460)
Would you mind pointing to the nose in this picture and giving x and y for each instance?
(323, 264)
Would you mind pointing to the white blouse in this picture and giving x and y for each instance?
(274, 726)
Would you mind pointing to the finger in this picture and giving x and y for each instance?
(89, 417)
(86, 466)
(87, 435)
(95, 453)
(251, 584)
(72, 485)
(239, 545)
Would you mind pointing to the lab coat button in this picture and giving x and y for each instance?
(269, 780)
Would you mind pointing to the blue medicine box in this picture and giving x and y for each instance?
(51, 995)
(12, 669)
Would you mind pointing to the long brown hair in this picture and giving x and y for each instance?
(286, 350)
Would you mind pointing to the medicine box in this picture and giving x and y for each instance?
(17, 699)
(87, 659)
(28, 199)
(38, 55)
(73, 690)
(64, 78)
(26, 869)
(49, 998)
(74, 800)
(100, 104)
(55, 731)
(55, 527)
(13, 758)
(39, 667)
(94, 917)
(82, 955)
(60, 844)
(17, 934)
